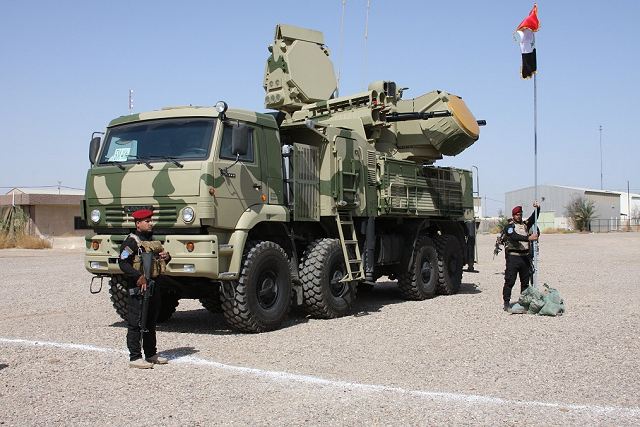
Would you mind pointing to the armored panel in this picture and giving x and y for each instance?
(306, 177)
(409, 189)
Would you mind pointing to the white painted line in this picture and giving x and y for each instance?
(369, 388)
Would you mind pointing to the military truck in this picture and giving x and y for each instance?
(298, 206)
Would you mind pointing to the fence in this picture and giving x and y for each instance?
(614, 224)
(488, 225)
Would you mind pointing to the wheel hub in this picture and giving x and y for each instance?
(338, 288)
(425, 271)
(267, 290)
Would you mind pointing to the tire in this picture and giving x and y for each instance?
(212, 302)
(119, 296)
(450, 263)
(419, 280)
(168, 306)
(262, 294)
(321, 269)
(120, 300)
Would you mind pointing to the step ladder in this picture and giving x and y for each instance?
(350, 249)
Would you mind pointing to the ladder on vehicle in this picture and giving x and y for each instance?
(350, 249)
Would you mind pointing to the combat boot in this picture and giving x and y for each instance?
(506, 306)
(140, 364)
(157, 360)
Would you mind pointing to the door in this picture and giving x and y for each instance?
(240, 183)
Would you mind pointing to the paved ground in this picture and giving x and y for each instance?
(450, 360)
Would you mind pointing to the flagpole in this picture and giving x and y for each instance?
(535, 177)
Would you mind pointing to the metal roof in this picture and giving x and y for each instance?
(63, 191)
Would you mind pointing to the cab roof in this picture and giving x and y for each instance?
(261, 119)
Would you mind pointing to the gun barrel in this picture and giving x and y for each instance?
(147, 261)
(424, 115)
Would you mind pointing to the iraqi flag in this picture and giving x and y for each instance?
(525, 32)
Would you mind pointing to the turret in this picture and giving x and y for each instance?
(300, 82)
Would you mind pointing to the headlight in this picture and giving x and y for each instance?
(221, 107)
(95, 216)
(188, 214)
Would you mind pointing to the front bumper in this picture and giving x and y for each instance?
(203, 261)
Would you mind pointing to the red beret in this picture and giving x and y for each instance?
(516, 210)
(142, 214)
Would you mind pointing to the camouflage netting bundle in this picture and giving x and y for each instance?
(13, 222)
(546, 301)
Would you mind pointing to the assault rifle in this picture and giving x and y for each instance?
(147, 263)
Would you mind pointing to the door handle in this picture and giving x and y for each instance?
(257, 186)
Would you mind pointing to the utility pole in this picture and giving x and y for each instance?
(600, 128)
(628, 208)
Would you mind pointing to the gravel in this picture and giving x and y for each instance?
(449, 360)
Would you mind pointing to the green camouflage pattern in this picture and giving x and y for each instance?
(346, 157)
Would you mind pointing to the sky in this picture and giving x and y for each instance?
(66, 68)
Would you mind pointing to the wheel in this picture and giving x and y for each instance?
(262, 294)
(212, 302)
(169, 303)
(450, 262)
(321, 271)
(419, 276)
(119, 296)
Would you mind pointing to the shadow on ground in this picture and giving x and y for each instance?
(469, 288)
(370, 300)
(178, 352)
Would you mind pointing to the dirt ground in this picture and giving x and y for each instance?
(455, 359)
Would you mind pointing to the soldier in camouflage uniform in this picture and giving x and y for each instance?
(517, 237)
(134, 244)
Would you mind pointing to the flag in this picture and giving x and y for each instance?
(525, 31)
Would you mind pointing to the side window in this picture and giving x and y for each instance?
(225, 146)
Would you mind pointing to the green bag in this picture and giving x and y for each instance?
(535, 305)
(528, 295)
(553, 302)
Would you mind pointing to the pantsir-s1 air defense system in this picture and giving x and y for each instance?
(299, 206)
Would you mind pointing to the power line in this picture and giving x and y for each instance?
(42, 186)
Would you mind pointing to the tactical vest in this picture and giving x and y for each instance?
(517, 247)
(158, 266)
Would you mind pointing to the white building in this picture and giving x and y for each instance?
(611, 207)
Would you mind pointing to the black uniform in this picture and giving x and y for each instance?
(518, 255)
(128, 251)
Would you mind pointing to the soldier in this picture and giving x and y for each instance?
(130, 263)
(517, 251)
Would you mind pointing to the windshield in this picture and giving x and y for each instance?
(159, 140)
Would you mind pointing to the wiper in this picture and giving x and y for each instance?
(141, 160)
(111, 162)
(168, 159)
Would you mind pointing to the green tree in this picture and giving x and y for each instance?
(581, 211)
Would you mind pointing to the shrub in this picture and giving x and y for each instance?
(581, 211)
(500, 225)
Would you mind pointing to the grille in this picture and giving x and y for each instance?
(371, 168)
(307, 183)
(121, 214)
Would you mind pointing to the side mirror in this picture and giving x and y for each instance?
(94, 146)
(240, 140)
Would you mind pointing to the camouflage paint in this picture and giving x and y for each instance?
(357, 149)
